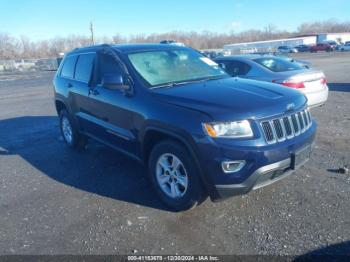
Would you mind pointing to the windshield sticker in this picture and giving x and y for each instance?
(208, 61)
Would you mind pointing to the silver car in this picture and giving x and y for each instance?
(286, 49)
(279, 70)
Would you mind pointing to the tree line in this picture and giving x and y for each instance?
(23, 47)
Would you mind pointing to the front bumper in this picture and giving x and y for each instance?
(262, 177)
(265, 164)
(317, 98)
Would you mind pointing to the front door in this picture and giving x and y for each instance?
(111, 111)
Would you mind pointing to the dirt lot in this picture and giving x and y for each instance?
(55, 201)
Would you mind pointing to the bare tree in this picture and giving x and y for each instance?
(23, 47)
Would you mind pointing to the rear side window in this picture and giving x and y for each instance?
(68, 66)
(84, 67)
(236, 68)
(276, 64)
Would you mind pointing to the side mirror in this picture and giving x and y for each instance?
(114, 82)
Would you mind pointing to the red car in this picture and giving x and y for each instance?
(321, 47)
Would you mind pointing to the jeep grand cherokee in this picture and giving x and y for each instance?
(199, 132)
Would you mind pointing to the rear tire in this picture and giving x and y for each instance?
(174, 176)
(70, 132)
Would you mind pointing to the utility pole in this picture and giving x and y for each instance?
(92, 33)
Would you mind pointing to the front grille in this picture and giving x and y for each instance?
(267, 131)
(287, 127)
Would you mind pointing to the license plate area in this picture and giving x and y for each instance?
(313, 84)
(301, 156)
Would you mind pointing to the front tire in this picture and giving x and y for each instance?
(174, 176)
(70, 133)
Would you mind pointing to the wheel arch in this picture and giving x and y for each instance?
(154, 135)
(60, 105)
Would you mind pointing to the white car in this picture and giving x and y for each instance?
(280, 70)
(345, 47)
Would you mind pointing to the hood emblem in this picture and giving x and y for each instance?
(290, 107)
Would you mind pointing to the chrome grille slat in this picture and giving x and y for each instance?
(309, 115)
(296, 126)
(273, 130)
(291, 125)
(286, 127)
(301, 122)
(283, 129)
(305, 119)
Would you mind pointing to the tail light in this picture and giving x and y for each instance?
(323, 81)
(290, 83)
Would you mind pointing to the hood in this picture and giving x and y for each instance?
(233, 98)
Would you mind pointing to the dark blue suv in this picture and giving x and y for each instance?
(199, 132)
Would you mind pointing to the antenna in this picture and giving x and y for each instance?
(92, 33)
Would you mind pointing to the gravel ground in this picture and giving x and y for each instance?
(56, 201)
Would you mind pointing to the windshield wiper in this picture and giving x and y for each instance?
(216, 77)
(173, 84)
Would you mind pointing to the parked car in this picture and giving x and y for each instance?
(198, 131)
(286, 49)
(334, 45)
(303, 48)
(211, 54)
(345, 47)
(171, 42)
(321, 47)
(283, 71)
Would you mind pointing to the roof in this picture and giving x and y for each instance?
(318, 34)
(247, 56)
(268, 41)
(128, 48)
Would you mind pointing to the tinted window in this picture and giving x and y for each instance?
(84, 67)
(68, 66)
(276, 64)
(236, 68)
(107, 65)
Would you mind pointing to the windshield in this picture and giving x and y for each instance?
(276, 64)
(166, 67)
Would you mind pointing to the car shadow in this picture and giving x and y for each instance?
(336, 252)
(98, 169)
(339, 87)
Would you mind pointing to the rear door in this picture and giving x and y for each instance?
(76, 90)
(82, 76)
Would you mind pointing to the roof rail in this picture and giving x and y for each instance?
(91, 46)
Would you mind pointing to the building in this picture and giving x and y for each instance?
(270, 45)
(338, 37)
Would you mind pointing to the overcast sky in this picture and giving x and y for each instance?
(40, 19)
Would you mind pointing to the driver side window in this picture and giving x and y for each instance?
(107, 65)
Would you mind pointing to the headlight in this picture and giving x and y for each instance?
(237, 129)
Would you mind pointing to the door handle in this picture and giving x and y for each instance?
(69, 85)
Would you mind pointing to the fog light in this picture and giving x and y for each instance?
(232, 166)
